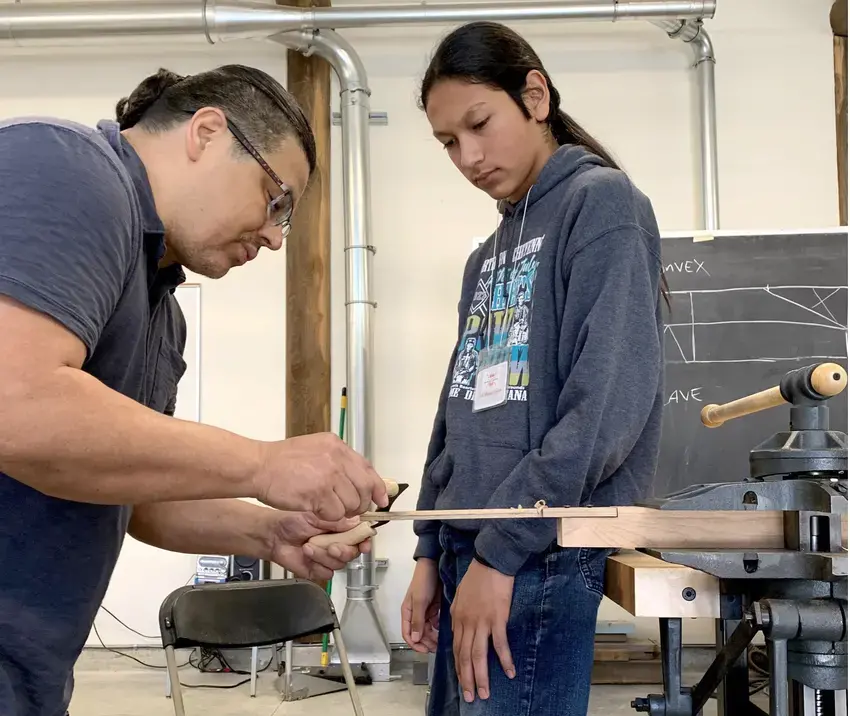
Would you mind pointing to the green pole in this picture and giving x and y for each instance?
(343, 405)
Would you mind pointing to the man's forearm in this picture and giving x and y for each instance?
(69, 436)
(205, 527)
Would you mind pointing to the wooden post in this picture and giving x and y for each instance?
(838, 20)
(308, 261)
(308, 335)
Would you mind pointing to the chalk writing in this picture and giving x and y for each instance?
(687, 267)
(678, 396)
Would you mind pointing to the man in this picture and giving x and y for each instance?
(95, 227)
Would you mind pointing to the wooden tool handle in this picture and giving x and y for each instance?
(828, 379)
(358, 534)
(713, 416)
(354, 536)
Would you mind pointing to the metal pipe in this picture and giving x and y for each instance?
(685, 30)
(704, 60)
(507, 11)
(696, 36)
(360, 623)
(23, 24)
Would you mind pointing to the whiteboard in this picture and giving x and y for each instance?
(145, 575)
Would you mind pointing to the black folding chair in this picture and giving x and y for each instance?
(247, 614)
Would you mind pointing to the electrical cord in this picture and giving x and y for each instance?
(127, 626)
(146, 636)
(216, 686)
(130, 656)
(760, 663)
(208, 656)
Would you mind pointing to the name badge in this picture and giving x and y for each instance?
(491, 387)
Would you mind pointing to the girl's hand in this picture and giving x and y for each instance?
(480, 611)
(420, 610)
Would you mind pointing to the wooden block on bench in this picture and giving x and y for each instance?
(649, 587)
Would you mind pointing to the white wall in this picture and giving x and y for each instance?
(627, 83)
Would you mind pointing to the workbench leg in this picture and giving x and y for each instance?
(671, 646)
(733, 694)
(778, 651)
(675, 701)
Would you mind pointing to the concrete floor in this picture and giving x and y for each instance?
(113, 686)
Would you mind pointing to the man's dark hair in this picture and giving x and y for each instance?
(254, 101)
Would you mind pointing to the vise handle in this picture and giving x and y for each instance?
(822, 381)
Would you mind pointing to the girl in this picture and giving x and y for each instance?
(554, 390)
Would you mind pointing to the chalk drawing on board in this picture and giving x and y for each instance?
(810, 313)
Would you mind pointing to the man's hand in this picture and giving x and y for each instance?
(239, 527)
(420, 610)
(320, 474)
(289, 534)
(480, 610)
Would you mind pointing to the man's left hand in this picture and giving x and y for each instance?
(290, 533)
(480, 610)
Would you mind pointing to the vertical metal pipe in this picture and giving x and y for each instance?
(705, 62)
(695, 35)
(354, 109)
(364, 633)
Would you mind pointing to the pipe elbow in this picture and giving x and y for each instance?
(333, 48)
(702, 46)
(692, 33)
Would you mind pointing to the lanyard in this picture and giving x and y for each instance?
(488, 328)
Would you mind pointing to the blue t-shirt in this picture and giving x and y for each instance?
(80, 241)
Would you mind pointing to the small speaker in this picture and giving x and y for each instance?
(246, 569)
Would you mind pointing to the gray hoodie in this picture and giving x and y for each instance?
(575, 307)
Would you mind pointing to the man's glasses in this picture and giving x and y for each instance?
(279, 210)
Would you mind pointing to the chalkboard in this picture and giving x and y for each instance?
(745, 310)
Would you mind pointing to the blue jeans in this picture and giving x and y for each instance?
(550, 632)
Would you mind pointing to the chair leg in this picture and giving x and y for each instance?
(346, 670)
(254, 653)
(276, 657)
(174, 680)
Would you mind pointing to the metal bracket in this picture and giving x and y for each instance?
(375, 119)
